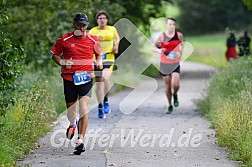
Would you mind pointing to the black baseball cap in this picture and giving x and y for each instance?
(81, 18)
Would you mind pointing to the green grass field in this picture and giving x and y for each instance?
(209, 49)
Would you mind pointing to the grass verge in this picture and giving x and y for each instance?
(228, 105)
(30, 117)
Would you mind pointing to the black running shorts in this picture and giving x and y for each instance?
(72, 92)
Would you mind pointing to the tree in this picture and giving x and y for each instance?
(11, 56)
(38, 29)
(38, 24)
(140, 12)
(248, 3)
(204, 16)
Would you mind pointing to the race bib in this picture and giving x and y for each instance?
(81, 78)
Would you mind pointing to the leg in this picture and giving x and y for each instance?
(106, 75)
(99, 89)
(175, 84)
(71, 96)
(83, 111)
(71, 112)
(84, 92)
(168, 93)
(99, 95)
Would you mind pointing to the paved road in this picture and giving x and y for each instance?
(147, 137)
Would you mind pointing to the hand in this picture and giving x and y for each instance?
(115, 49)
(99, 65)
(100, 38)
(162, 50)
(69, 63)
(178, 54)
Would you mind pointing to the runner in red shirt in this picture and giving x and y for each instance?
(169, 45)
(74, 53)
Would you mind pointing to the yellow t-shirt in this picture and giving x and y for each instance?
(106, 37)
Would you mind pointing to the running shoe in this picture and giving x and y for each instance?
(79, 148)
(175, 100)
(169, 110)
(71, 130)
(106, 106)
(101, 113)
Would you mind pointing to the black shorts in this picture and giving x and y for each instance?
(98, 73)
(168, 69)
(72, 92)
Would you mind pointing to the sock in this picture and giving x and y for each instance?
(73, 121)
(105, 99)
(79, 141)
(100, 105)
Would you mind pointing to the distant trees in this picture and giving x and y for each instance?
(38, 24)
(248, 3)
(206, 16)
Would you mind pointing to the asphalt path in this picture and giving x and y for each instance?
(145, 138)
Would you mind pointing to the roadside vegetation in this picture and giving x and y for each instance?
(31, 93)
(228, 105)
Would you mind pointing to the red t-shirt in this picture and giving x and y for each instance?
(81, 50)
(170, 45)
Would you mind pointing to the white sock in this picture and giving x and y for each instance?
(73, 121)
(79, 141)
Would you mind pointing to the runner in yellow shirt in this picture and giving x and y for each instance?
(109, 42)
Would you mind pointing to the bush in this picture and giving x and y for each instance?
(11, 57)
(38, 95)
(24, 123)
(228, 104)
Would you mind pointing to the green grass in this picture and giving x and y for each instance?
(39, 95)
(209, 49)
(228, 105)
(24, 122)
(49, 80)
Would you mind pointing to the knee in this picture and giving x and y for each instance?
(83, 112)
(106, 78)
(99, 85)
(168, 86)
(176, 85)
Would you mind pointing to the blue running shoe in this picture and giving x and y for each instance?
(101, 113)
(107, 109)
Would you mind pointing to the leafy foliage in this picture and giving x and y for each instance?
(248, 3)
(139, 12)
(33, 113)
(38, 29)
(205, 16)
(11, 57)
